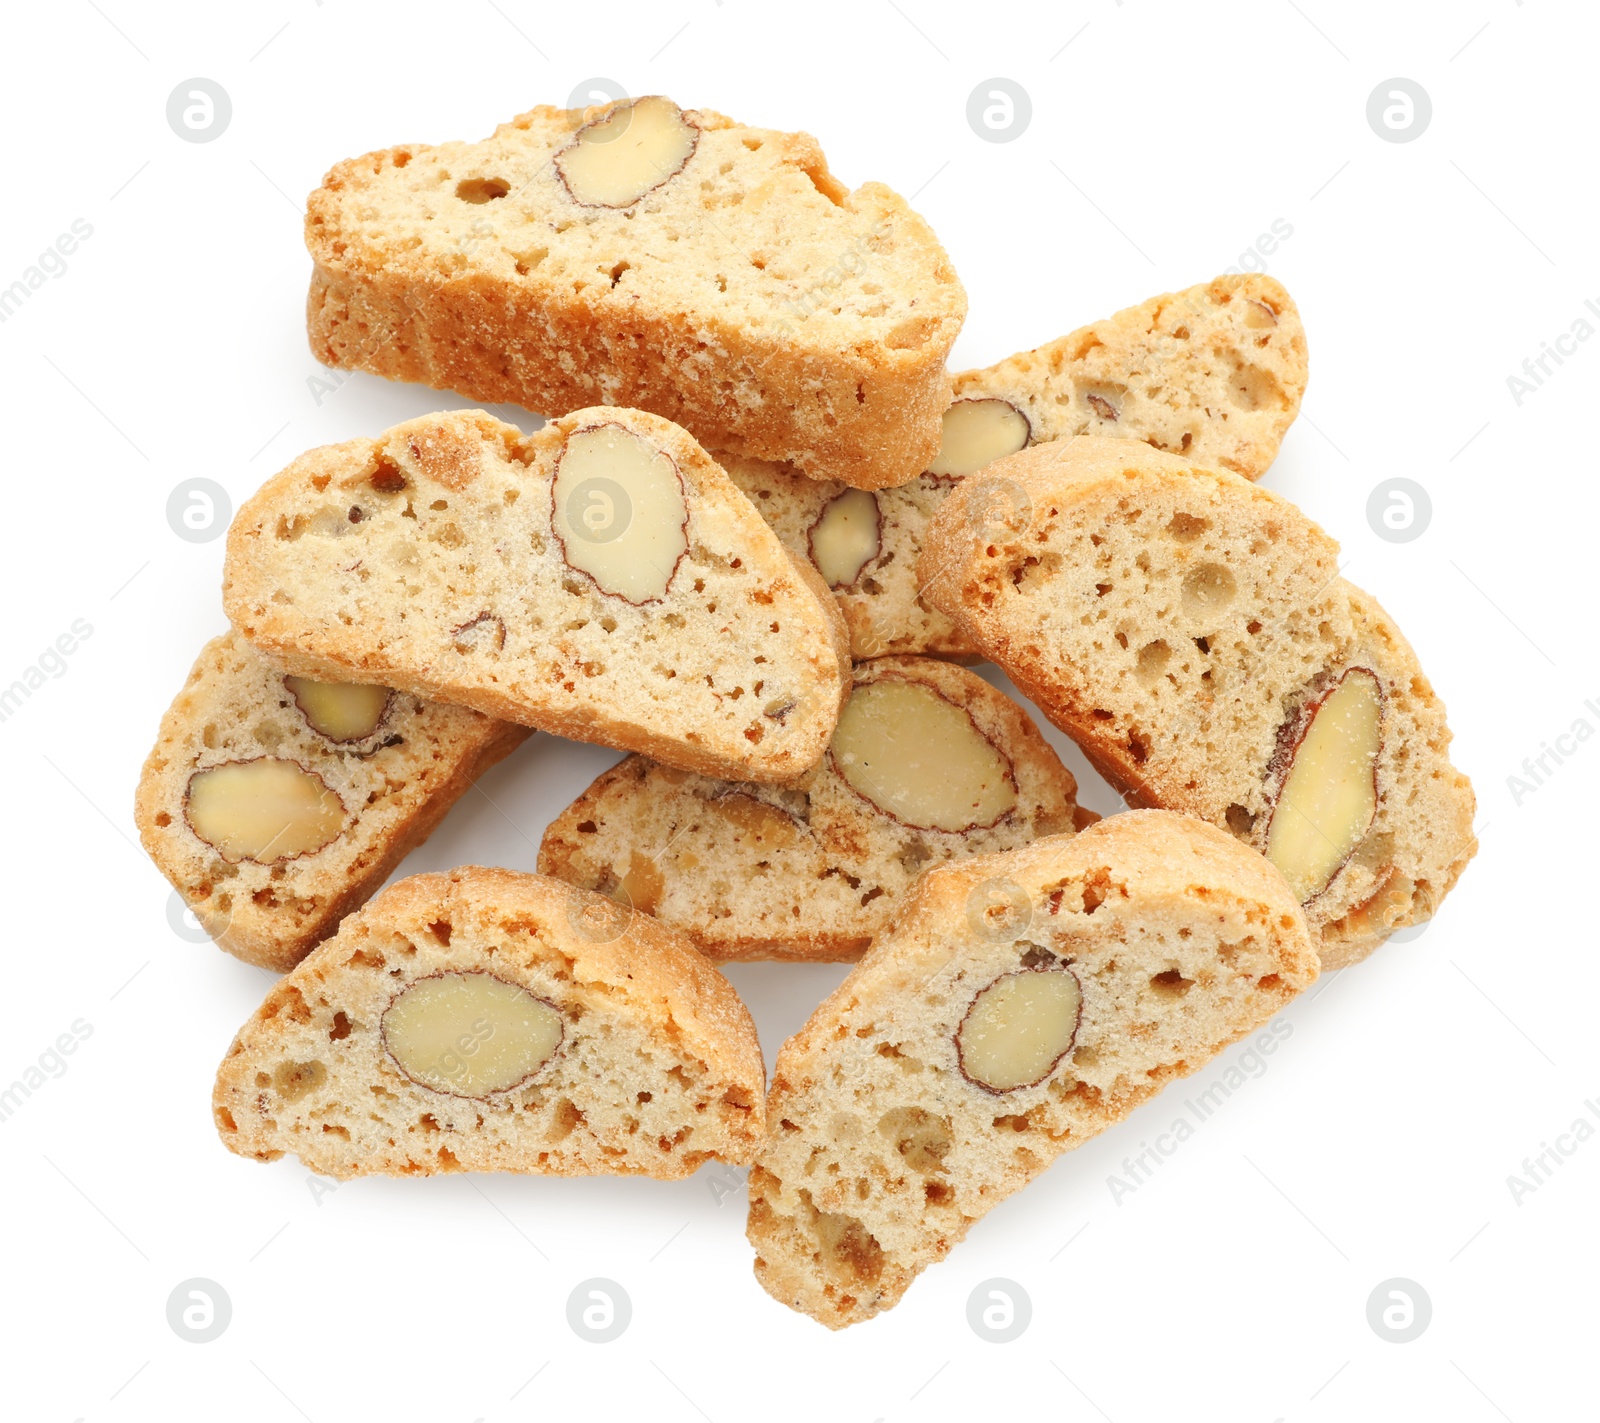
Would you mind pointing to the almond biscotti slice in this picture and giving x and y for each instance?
(645, 255)
(485, 1020)
(929, 764)
(1215, 372)
(276, 805)
(602, 579)
(1191, 633)
(1017, 1005)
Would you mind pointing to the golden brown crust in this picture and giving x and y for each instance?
(805, 873)
(1085, 598)
(751, 298)
(396, 784)
(659, 1067)
(881, 1154)
(448, 534)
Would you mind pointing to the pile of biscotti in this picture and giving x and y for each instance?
(756, 545)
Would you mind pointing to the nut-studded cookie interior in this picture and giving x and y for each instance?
(601, 579)
(275, 805)
(928, 764)
(1214, 372)
(490, 1021)
(1019, 1004)
(1183, 626)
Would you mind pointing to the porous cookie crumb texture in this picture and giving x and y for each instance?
(882, 601)
(491, 1021)
(1215, 372)
(744, 293)
(813, 871)
(601, 579)
(1184, 627)
(903, 1111)
(243, 749)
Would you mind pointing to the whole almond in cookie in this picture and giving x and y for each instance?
(602, 579)
(1190, 631)
(278, 804)
(1017, 1005)
(1214, 373)
(486, 1020)
(929, 764)
(645, 255)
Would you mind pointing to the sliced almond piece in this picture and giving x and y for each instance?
(341, 711)
(845, 538)
(470, 1034)
(615, 160)
(619, 512)
(266, 810)
(977, 433)
(1019, 1028)
(920, 758)
(766, 824)
(1330, 791)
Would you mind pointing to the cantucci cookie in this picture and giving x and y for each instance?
(1017, 1005)
(276, 805)
(491, 1021)
(929, 764)
(1191, 633)
(601, 579)
(1215, 372)
(645, 255)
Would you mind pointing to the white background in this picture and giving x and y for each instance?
(1164, 139)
